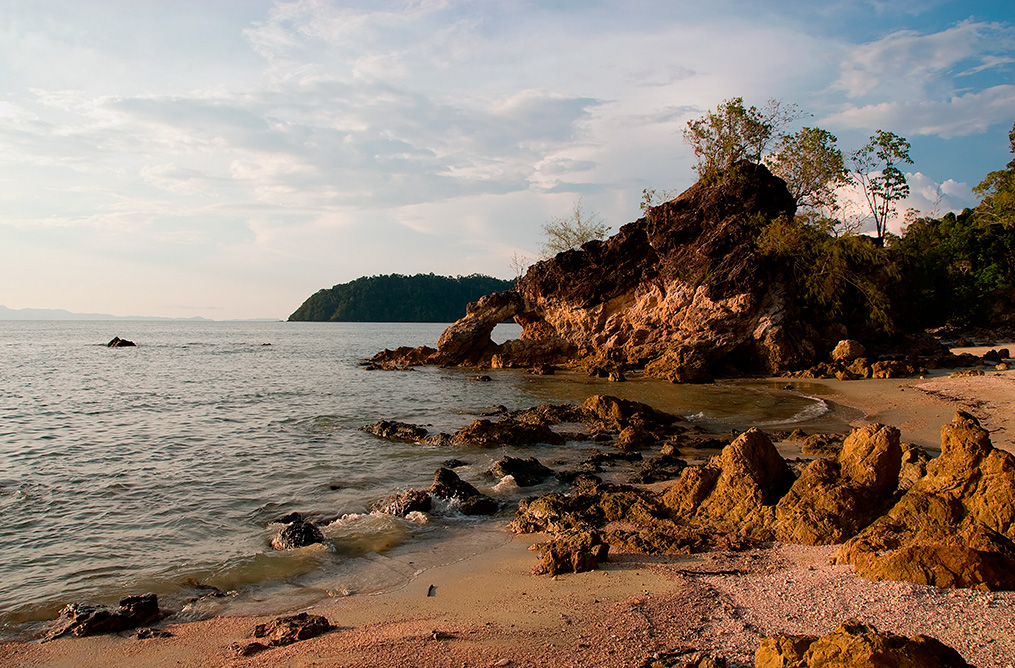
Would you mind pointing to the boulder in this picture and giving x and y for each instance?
(832, 501)
(448, 486)
(574, 552)
(86, 619)
(848, 351)
(488, 434)
(955, 526)
(288, 629)
(737, 490)
(298, 533)
(414, 500)
(526, 472)
(856, 645)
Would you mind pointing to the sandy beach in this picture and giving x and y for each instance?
(487, 610)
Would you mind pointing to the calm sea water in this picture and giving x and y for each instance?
(159, 468)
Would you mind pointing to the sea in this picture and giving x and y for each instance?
(162, 467)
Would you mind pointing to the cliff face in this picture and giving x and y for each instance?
(683, 293)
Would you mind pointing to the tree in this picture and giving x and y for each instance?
(881, 182)
(997, 192)
(732, 133)
(573, 231)
(812, 166)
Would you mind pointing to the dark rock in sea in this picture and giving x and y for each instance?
(86, 619)
(414, 500)
(454, 464)
(396, 431)
(526, 472)
(298, 533)
(117, 342)
(448, 486)
(287, 519)
(856, 645)
(506, 431)
(481, 379)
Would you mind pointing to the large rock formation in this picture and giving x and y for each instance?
(955, 527)
(683, 292)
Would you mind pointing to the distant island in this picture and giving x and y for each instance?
(398, 298)
(61, 314)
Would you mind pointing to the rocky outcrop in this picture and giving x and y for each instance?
(856, 645)
(737, 490)
(117, 342)
(573, 552)
(683, 293)
(955, 526)
(86, 619)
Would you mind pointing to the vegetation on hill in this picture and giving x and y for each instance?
(956, 270)
(398, 298)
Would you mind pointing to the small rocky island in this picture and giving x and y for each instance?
(688, 293)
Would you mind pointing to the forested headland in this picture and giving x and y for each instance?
(398, 298)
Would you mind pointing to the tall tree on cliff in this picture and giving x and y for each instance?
(878, 178)
(997, 192)
(812, 166)
(733, 132)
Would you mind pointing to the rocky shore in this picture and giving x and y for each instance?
(738, 558)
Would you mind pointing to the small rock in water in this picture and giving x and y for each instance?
(117, 342)
(297, 534)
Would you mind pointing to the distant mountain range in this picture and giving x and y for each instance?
(60, 314)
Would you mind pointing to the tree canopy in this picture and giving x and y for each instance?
(573, 231)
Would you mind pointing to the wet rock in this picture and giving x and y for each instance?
(454, 464)
(955, 526)
(298, 533)
(488, 434)
(86, 619)
(117, 342)
(856, 645)
(448, 486)
(526, 472)
(397, 431)
(658, 468)
(574, 552)
(414, 500)
(288, 629)
(148, 633)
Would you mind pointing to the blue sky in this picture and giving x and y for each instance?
(227, 158)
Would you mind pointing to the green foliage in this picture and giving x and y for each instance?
(812, 166)
(847, 278)
(954, 265)
(881, 182)
(398, 298)
(573, 231)
(733, 132)
(997, 192)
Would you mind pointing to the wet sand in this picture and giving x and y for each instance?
(487, 610)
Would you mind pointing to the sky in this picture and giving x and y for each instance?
(228, 158)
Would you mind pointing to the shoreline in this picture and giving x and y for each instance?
(488, 610)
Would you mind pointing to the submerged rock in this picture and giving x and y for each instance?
(86, 619)
(396, 431)
(856, 645)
